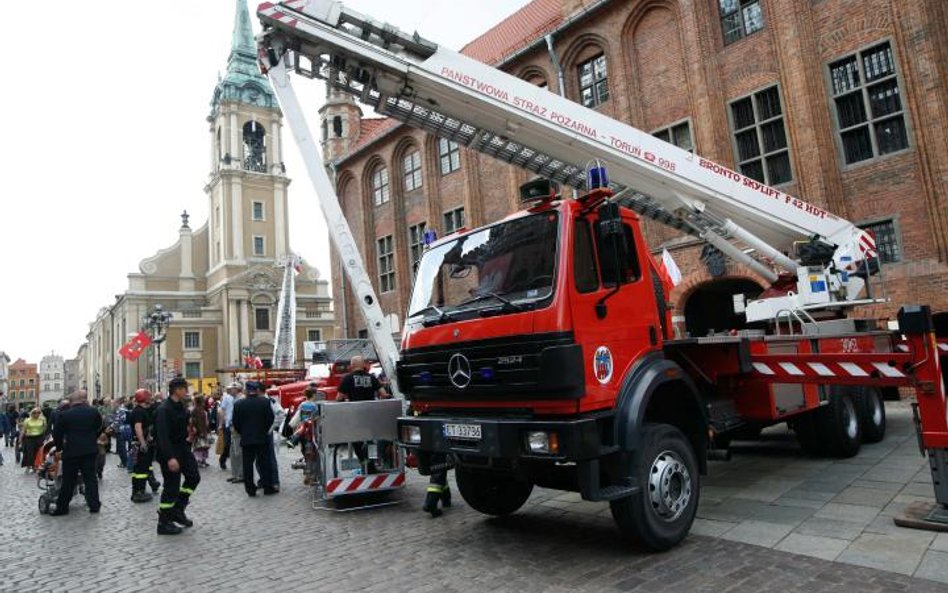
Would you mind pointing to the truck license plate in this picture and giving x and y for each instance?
(463, 431)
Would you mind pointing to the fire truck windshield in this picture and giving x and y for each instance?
(506, 267)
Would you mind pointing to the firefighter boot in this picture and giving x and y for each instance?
(138, 488)
(165, 525)
(431, 501)
(446, 497)
(154, 483)
(141, 496)
(176, 513)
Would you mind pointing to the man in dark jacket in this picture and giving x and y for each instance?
(253, 420)
(174, 455)
(75, 435)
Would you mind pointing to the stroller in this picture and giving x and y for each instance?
(49, 478)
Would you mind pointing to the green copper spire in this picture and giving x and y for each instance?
(243, 81)
(243, 42)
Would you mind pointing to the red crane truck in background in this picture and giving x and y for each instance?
(539, 350)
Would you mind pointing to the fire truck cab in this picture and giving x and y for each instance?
(532, 351)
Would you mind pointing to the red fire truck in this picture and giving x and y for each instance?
(539, 350)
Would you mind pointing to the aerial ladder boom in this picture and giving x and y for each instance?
(485, 109)
(340, 233)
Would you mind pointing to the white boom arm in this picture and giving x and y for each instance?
(452, 96)
(339, 231)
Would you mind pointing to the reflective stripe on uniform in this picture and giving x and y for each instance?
(188, 491)
(436, 489)
(165, 505)
(139, 476)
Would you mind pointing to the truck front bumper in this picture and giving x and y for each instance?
(579, 439)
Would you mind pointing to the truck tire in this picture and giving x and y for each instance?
(871, 409)
(492, 493)
(839, 425)
(660, 515)
(808, 434)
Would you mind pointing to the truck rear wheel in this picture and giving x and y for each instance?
(660, 515)
(871, 411)
(832, 429)
(492, 493)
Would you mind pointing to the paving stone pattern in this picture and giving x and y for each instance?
(769, 495)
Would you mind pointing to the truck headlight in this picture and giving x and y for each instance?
(411, 435)
(540, 441)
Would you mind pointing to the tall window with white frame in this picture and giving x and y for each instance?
(314, 335)
(411, 166)
(886, 236)
(870, 114)
(450, 155)
(258, 212)
(453, 220)
(380, 188)
(259, 245)
(760, 140)
(740, 18)
(594, 81)
(192, 340)
(386, 259)
(416, 244)
(677, 134)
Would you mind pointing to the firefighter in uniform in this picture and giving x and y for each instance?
(143, 449)
(177, 461)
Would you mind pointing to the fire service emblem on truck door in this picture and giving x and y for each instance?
(459, 371)
(602, 365)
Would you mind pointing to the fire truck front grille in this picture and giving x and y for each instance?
(538, 366)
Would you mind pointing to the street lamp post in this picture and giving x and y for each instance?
(157, 321)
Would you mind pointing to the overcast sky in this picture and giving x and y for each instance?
(105, 143)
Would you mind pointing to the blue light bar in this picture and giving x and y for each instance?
(597, 177)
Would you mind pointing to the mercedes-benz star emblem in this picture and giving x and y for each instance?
(459, 371)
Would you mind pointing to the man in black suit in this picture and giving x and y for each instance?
(75, 434)
(253, 420)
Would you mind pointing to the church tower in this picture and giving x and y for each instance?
(247, 189)
(340, 123)
(248, 227)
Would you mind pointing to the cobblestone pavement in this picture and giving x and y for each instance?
(555, 544)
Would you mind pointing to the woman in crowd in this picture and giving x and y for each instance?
(200, 431)
(34, 429)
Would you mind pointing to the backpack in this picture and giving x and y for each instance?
(120, 425)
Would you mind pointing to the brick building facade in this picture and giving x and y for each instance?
(840, 102)
(24, 386)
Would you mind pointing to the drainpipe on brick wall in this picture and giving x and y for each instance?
(560, 78)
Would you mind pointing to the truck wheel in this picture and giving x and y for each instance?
(838, 424)
(871, 414)
(808, 434)
(492, 493)
(661, 513)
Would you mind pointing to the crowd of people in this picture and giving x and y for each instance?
(177, 431)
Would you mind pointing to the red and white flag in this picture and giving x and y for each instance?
(669, 270)
(134, 348)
